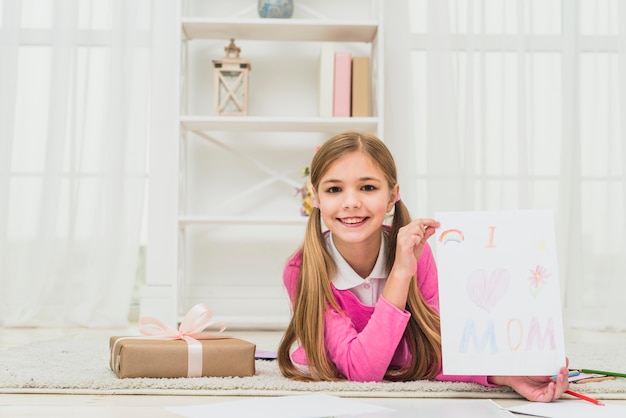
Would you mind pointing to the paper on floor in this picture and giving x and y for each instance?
(570, 409)
(301, 406)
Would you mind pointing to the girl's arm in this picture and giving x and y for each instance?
(410, 245)
(365, 356)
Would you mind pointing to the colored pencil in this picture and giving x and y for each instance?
(583, 397)
(604, 373)
(572, 373)
(594, 379)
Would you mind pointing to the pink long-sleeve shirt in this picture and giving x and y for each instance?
(368, 340)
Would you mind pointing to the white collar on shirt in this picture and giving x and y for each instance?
(346, 277)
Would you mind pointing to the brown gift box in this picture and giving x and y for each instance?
(144, 357)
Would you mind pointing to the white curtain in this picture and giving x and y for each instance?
(74, 79)
(521, 104)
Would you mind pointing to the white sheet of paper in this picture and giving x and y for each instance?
(454, 408)
(499, 293)
(299, 406)
(570, 409)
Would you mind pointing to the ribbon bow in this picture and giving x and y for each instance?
(195, 321)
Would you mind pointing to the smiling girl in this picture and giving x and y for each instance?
(364, 293)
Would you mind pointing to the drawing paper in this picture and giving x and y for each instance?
(499, 293)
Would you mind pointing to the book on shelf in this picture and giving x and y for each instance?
(342, 84)
(361, 97)
(326, 79)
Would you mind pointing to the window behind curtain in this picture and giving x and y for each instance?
(535, 113)
(73, 106)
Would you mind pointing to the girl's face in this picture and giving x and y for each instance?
(354, 197)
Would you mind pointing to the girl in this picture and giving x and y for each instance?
(364, 293)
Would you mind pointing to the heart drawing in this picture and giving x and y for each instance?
(486, 290)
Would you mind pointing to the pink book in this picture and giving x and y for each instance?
(342, 91)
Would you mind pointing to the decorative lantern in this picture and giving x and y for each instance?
(231, 83)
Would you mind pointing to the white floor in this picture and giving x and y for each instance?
(96, 406)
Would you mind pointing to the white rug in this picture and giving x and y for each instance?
(79, 365)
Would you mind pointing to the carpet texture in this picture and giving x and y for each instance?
(79, 365)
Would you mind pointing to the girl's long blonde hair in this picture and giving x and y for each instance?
(314, 293)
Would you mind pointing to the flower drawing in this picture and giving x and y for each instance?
(537, 279)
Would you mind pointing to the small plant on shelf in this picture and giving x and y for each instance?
(305, 193)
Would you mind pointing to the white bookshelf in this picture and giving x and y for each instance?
(223, 215)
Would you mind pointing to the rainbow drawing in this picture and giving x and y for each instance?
(451, 235)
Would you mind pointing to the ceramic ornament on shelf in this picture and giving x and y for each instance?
(275, 8)
(231, 82)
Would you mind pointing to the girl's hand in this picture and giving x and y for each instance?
(536, 388)
(410, 242)
(409, 246)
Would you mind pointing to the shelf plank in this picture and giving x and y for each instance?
(280, 29)
(277, 124)
(185, 221)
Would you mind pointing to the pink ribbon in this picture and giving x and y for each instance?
(197, 320)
